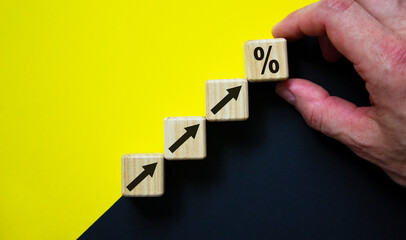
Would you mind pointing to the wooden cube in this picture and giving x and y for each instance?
(185, 138)
(142, 175)
(266, 60)
(227, 100)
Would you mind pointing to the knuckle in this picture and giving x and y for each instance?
(337, 6)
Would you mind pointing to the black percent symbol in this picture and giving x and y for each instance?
(259, 55)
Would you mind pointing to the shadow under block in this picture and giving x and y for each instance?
(185, 138)
(227, 100)
(266, 60)
(142, 175)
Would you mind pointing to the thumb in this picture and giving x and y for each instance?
(331, 115)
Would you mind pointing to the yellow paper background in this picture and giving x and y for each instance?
(84, 82)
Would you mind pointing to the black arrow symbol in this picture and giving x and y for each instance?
(148, 170)
(190, 132)
(232, 93)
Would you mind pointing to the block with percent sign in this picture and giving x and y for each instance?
(185, 138)
(142, 175)
(227, 100)
(266, 60)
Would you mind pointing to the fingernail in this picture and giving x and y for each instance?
(286, 94)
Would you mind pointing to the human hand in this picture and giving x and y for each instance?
(372, 35)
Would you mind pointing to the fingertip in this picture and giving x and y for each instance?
(276, 30)
(304, 87)
(281, 84)
(302, 91)
(297, 91)
(287, 28)
(329, 52)
(331, 57)
(283, 91)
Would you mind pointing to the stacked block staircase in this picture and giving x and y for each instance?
(185, 137)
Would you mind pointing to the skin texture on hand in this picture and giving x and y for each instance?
(372, 35)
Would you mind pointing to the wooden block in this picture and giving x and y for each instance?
(185, 138)
(266, 60)
(227, 100)
(142, 175)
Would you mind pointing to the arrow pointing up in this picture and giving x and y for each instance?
(148, 170)
(190, 132)
(232, 93)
